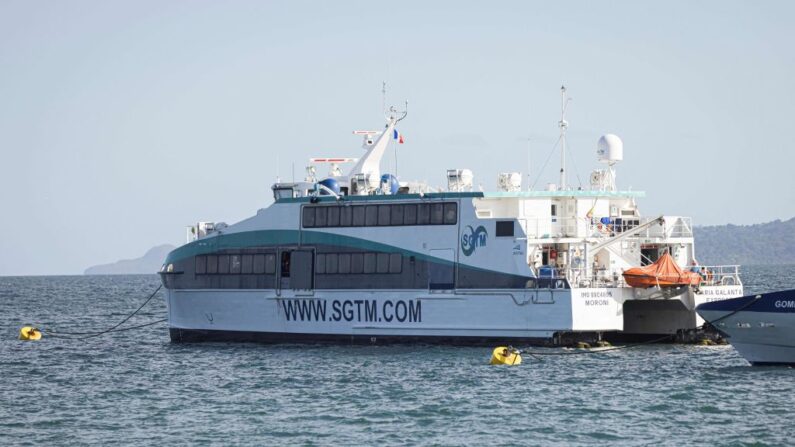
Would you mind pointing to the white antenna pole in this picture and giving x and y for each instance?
(383, 96)
(563, 125)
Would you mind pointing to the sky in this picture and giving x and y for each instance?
(123, 122)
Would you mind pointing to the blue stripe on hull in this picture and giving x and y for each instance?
(774, 302)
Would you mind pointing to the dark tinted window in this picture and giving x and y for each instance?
(223, 264)
(259, 264)
(201, 265)
(358, 216)
(320, 216)
(395, 263)
(346, 216)
(247, 264)
(308, 220)
(344, 263)
(333, 218)
(410, 214)
(357, 263)
(369, 262)
(320, 263)
(270, 264)
(331, 263)
(504, 228)
(234, 264)
(383, 214)
(450, 213)
(437, 214)
(371, 218)
(423, 214)
(212, 264)
(382, 263)
(397, 215)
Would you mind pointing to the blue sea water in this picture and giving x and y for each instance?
(137, 388)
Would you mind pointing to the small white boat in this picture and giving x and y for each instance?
(760, 327)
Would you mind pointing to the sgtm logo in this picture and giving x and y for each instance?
(472, 240)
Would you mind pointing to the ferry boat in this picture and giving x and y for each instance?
(760, 327)
(359, 256)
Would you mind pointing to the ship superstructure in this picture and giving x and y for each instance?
(360, 256)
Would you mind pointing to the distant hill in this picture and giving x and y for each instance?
(759, 244)
(148, 263)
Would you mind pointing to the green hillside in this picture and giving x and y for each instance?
(759, 244)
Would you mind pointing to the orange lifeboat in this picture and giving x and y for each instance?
(663, 273)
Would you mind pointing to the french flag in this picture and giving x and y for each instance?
(397, 136)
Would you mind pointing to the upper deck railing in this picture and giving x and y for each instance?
(580, 227)
(718, 275)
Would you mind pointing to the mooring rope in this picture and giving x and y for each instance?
(84, 335)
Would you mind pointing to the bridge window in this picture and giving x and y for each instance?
(504, 228)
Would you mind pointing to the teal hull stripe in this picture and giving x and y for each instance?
(265, 238)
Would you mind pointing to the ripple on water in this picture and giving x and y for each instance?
(137, 388)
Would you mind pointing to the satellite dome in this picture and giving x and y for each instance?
(331, 184)
(610, 149)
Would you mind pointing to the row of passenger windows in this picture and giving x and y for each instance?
(380, 215)
(354, 263)
(242, 264)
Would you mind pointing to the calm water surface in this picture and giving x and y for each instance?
(136, 388)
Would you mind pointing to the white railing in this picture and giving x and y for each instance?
(558, 227)
(719, 275)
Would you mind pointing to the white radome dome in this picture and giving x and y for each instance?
(610, 148)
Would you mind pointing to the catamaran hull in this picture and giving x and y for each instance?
(397, 316)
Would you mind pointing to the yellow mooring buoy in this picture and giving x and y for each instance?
(505, 355)
(29, 333)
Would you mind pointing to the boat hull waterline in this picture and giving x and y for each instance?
(760, 327)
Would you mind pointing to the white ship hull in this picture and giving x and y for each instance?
(390, 316)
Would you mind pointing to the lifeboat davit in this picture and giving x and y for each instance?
(663, 273)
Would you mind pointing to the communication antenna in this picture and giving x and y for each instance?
(383, 96)
(563, 125)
